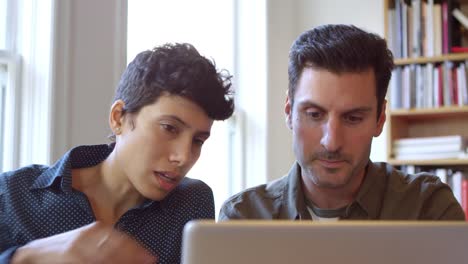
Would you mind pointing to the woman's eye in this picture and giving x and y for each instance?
(198, 141)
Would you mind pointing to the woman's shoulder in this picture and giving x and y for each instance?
(23, 176)
(194, 197)
(193, 185)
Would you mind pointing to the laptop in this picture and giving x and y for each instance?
(351, 242)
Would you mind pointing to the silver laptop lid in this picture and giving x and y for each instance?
(207, 242)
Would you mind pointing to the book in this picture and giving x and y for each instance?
(445, 28)
(415, 33)
(460, 17)
(454, 87)
(447, 81)
(399, 29)
(462, 84)
(437, 20)
(435, 88)
(442, 174)
(452, 139)
(457, 49)
(457, 181)
(404, 23)
(395, 89)
(440, 86)
(428, 82)
(428, 21)
(465, 197)
(432, 156)
(428, 148)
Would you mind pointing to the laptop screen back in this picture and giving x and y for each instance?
(207, 242)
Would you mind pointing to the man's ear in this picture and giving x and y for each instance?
(381, 120)
(288, 112)
(116, 116)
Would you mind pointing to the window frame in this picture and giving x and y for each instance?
(9, 149)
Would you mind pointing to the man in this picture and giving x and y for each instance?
(128, 201)
(338, 78)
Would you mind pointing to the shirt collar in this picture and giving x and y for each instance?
(368, 198)
(370, 193)
(78, 157)
(294, 204)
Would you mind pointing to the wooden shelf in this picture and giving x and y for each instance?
(428, 113)
(422, 60)
(427, 122)
(435, 162)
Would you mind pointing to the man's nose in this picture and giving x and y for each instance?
(332, 136)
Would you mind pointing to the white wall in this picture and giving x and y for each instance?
(250, 76)
(89, 57)
(282, 30)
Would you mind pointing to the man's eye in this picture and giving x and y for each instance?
(353, 119)
(169, 128)
(314, 115)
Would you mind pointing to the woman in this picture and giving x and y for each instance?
(126, 202)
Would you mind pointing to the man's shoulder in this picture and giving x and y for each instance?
(261, 201)
(422, 195)
(269, 191)
(423, 181)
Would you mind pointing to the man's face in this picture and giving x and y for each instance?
(333, 120)
(163, 144)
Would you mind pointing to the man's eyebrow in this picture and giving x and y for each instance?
(305, 104)
(363, 109)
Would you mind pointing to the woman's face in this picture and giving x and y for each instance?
(157, 146)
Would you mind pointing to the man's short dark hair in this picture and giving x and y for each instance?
(340, 49)
(176, 69)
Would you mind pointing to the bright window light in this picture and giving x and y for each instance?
(209, 26)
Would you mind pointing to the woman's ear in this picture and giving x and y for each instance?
(116, 116)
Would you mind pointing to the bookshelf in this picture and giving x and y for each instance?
(433, 121)
(428, 93)
(435, 59)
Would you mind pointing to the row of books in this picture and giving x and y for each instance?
(456, 179)
(423, 28)
(429, 85)
(430, 148)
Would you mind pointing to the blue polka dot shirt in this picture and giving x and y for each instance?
(38, 201)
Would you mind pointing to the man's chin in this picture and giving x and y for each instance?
(331, 185)
(332, 180)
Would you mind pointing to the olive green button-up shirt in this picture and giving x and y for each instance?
(385, 194)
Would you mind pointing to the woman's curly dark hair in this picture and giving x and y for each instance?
(176, 69)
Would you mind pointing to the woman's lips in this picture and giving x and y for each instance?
(166, 181)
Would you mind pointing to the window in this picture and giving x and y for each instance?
(211, 30)
(3, 28)
(9, 80)
(25, 66)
